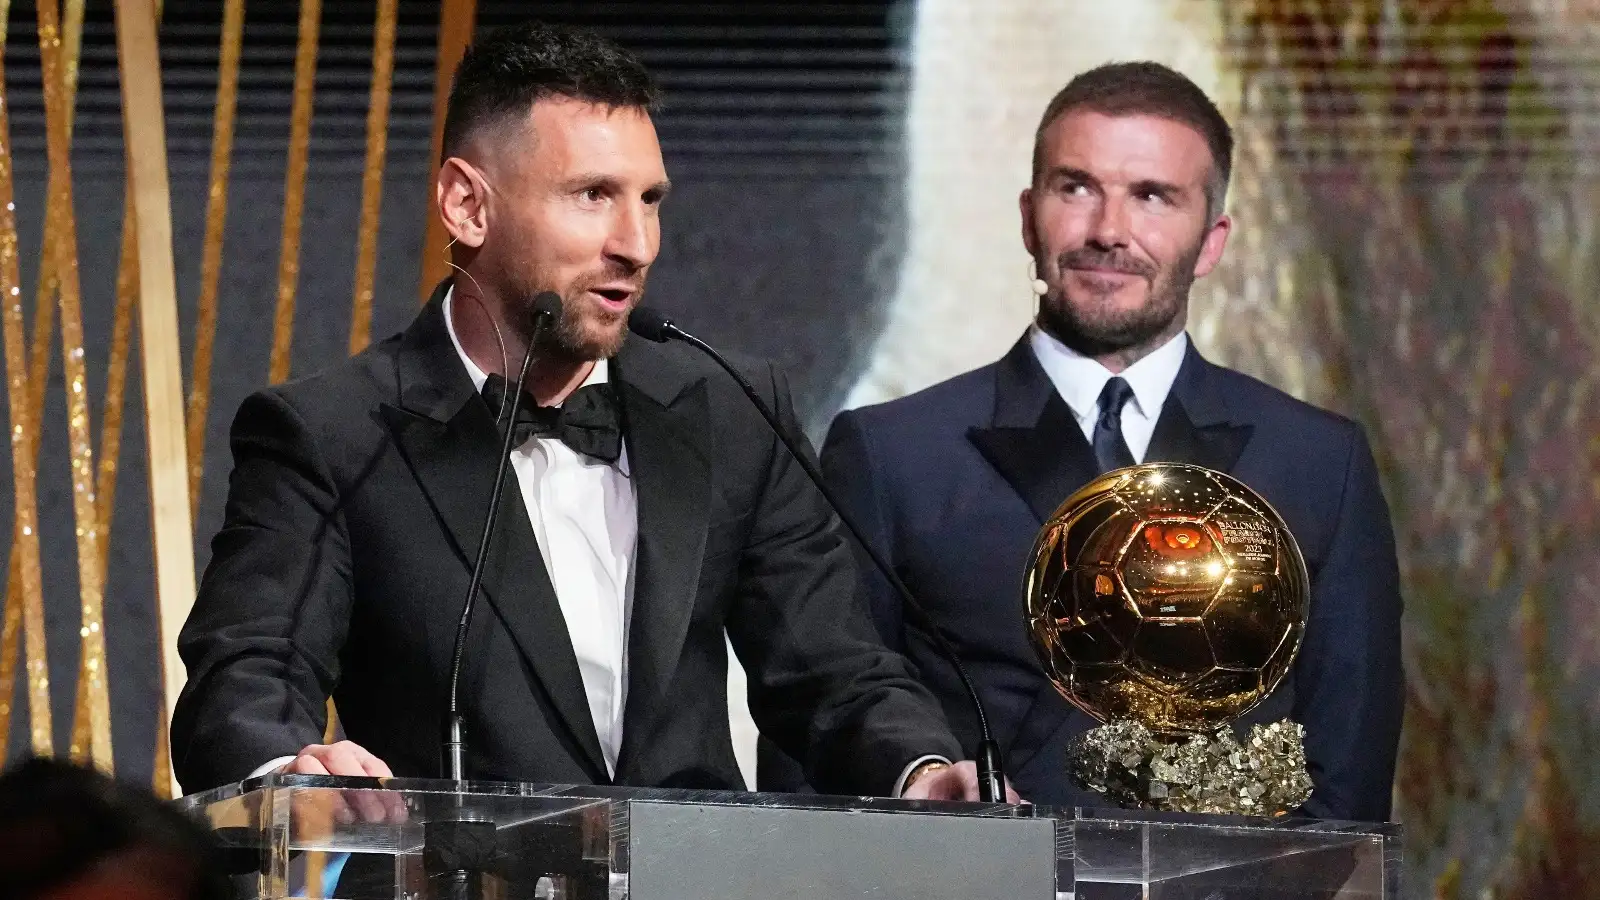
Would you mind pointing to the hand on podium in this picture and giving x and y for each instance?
(343, 758)
(347, 758)
(943, 781)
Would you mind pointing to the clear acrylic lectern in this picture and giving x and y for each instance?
(367, 838)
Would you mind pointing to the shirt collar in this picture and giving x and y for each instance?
(597, 375)
(1080, 379)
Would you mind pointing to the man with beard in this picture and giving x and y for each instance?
(1131, 166)
(650, 508)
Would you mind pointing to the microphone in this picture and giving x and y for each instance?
(545, 312)
(652, 325)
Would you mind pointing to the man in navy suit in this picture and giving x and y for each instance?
(1131, 165)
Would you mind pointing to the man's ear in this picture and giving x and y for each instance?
(1030, 237)
(1211, 249)
(462, 196)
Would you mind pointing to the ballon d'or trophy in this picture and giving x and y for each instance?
(1166, 601)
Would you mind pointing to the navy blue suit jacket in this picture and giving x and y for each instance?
(954, 482)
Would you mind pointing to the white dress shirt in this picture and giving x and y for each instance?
(585, 516)
(1079, 380)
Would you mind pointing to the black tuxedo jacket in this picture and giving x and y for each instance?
(355, 508)
(954, 483)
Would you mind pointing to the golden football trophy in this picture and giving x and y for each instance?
(1166, 601)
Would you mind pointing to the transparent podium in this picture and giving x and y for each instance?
(366, 838)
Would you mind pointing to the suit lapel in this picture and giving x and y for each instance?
(1033, 441)
(1035, 444)
(448, 438)
(669, 459)
(1196, 425)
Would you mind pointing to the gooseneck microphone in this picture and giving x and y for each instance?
(652, 325)
(546, 311)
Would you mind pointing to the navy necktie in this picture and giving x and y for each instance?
(1110, 450)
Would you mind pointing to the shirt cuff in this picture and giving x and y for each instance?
(269, 768)
(900, 783)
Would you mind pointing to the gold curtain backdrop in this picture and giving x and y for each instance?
(1415, 198)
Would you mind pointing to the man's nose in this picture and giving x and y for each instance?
(1110, 227)
(633, 239)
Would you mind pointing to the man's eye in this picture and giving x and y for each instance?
(593, 195)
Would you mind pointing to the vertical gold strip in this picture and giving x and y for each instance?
(49, 280)
(24, 444)
(38, 368)
(72, 42)
(143, 125)
(11, 629)
(222, 130)
(38, 361)
(92, 671)
(79, 433)
(105, 490)
(11, 624)
(294, 191)
(372, 178)
(457, 19)
(227, 105)
(44, 328)
(90, 662)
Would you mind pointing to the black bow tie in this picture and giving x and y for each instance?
(589, 421)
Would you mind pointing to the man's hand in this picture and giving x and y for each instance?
(352, 759)
(955, 782)
(343, 758)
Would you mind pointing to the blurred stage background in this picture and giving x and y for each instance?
(1415, 197)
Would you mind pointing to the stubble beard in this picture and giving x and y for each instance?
(580, 336)
(1098, 330)
(582, 333)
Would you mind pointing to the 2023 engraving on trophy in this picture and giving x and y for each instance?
(1171, 597)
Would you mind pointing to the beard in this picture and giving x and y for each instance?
(583, 332)
(1094, 326)
(589, 332)
(581, 336)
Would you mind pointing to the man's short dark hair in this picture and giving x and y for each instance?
(60, 822)
(1147, 89)
(503, 75)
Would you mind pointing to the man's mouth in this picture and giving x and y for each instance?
(615, 298)
(1105, 272)
(1105, 265)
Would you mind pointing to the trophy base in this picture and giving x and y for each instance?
(1199, 773)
